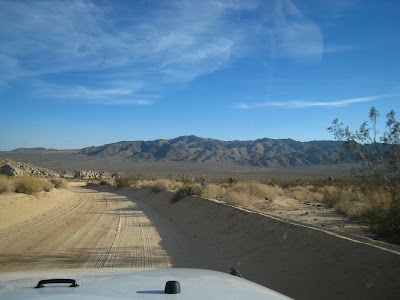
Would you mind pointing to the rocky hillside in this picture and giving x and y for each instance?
(14, 168)
(262, 152)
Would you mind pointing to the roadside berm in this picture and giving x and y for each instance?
(296, 260)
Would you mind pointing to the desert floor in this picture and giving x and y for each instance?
(286, 249)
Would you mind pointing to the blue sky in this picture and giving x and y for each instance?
(81, 73)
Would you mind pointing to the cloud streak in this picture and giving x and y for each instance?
(175, 42)
(307, 104)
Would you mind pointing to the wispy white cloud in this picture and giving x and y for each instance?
(294, 35)
(175, 42)
(308, 104)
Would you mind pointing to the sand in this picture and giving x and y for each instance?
(91, 227)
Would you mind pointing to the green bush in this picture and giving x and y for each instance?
(232, 180)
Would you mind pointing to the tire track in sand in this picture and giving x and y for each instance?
(87, 229)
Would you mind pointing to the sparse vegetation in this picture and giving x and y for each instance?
(59, 183)
(107, 182)
(6, 185)
(187, 190)
(127, 180)
(306, 193)
(29, 184)
(232, 180)
(375, 199)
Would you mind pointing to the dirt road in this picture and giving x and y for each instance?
(101, 226)
(79, 228)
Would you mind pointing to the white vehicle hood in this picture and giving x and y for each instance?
(99, 284)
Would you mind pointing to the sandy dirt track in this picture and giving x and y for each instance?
(86, 227)
(78, 228)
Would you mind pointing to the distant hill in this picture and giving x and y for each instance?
(30, 149)
(262, 152)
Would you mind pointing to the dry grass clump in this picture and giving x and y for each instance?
(125, 181)
(31, 185)
(160, 185)
(245, 194)
(6, 185)
(59, 183)
(258, 190)
(187, 190)
(368, 202)
(306, 193)
(214, 191)
(356, 204)
(240, 198)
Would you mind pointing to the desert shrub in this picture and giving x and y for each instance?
(124, 181)
(232, 180)
(386, 223)
(185, 191)
(160, 185)
(6, 185)
(186, 179)
(213, 191)
(46, 184)
(31, 185)
(59, 183)
(258, 190)
(203, 179)
(352, 208)
(369, 202)
(240, 198)
(330, 194)
(106, 182)
(305, 193)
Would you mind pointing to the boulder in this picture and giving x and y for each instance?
(10, 170)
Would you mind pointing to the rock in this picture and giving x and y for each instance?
(89, 174)
(67, 174)
(10, 170)
(13, 168)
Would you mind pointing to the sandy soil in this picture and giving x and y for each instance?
(317, 215)
(86, 227)
(76, 228)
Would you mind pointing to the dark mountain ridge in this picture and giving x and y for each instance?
(30, 149)
(264, 152)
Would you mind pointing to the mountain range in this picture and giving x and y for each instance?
(264, 152)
